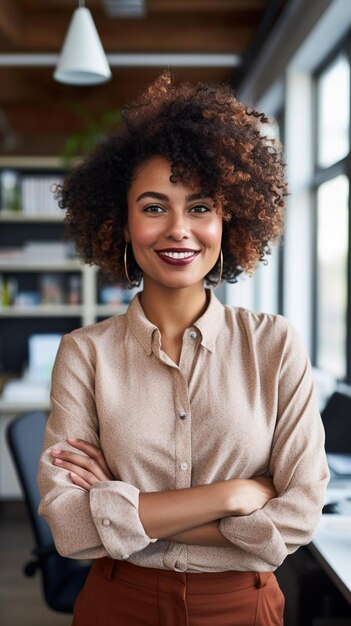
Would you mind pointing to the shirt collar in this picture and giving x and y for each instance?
(209, 324)
(140, 326)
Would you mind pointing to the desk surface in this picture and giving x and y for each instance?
(331, 544)
(8, 408)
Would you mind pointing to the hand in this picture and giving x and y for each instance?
(85, 470)
(249, 495)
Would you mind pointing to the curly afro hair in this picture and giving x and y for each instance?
(208, 137)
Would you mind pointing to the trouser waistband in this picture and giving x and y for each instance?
(196, 583)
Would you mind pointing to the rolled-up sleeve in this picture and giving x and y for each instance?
(85, 525)
(298, 466)
(119, 527)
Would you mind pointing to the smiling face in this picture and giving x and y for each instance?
(173, 228)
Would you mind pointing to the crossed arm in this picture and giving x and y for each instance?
(189, 515)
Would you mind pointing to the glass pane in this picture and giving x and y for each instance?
(332, 275)
(334, 112)
(266, 284)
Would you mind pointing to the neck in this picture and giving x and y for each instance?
(173, 310)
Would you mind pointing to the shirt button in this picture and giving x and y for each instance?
(183, 466)
(182, 415)
(106, 522)
(193, 334)
(125, 556)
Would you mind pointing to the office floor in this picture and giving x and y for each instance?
(21, 603)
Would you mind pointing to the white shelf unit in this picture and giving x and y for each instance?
(20, 217)
(37, 266)
(14, 228)
(88, 311)
(44, 310)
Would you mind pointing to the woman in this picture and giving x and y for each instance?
(184, 450)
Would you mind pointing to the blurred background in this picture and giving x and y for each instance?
(63, 82)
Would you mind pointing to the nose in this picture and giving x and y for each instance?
(177, 227)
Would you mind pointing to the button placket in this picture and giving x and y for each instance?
(182, 434)
(189, 349)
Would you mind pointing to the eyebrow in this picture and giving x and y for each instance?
(162, 196)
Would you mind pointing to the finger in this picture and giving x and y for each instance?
(80, 482)
(93, 451)
(87, 476)
(81, 461)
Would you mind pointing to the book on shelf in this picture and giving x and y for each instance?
(37, 195)
(10, 190)
(51, 289)
(36, 251)
(29, 194)
(47, 289)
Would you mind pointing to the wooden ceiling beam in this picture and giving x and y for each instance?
(204, 6)
(40, 145)
(11, 22)
(24, 86)
(154, 6)
(201, 35)
(41, 119)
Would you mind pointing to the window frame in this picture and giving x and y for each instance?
(320, 176)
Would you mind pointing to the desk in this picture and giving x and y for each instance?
(9, 486)
(331, 544)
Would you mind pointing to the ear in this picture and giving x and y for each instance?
(126, 233)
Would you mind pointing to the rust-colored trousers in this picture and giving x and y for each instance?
(118, 593)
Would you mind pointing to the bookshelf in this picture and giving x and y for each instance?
(44, 287)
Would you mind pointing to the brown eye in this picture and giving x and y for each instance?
(153, 208)
(200, 208)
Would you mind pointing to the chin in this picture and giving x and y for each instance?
(180, 283)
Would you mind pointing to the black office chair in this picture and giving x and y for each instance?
(336, 417)
(62, 578)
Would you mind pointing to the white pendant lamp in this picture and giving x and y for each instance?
(82, 60)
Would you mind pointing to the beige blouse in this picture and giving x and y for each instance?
(240, 404)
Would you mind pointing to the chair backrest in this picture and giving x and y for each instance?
(25, 436)
(62, 578)
(336, 417)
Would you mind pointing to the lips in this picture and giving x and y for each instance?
(177, 256)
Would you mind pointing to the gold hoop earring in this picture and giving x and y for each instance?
(125, 265)
(220, 270)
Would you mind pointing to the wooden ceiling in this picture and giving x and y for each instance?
(37, 114)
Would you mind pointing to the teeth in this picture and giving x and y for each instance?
(178, 255)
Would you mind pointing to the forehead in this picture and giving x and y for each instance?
(154, 175)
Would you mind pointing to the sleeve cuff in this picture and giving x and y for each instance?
(114, 507)
(256, 535)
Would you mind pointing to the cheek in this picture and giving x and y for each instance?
(145, 234)
(212, 234)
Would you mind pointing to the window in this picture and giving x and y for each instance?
(332, 250)
(333, 93)
(268, 278)
(332, 183)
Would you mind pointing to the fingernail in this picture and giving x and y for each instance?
(58, 461)
(72, 439)
(56, 451)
